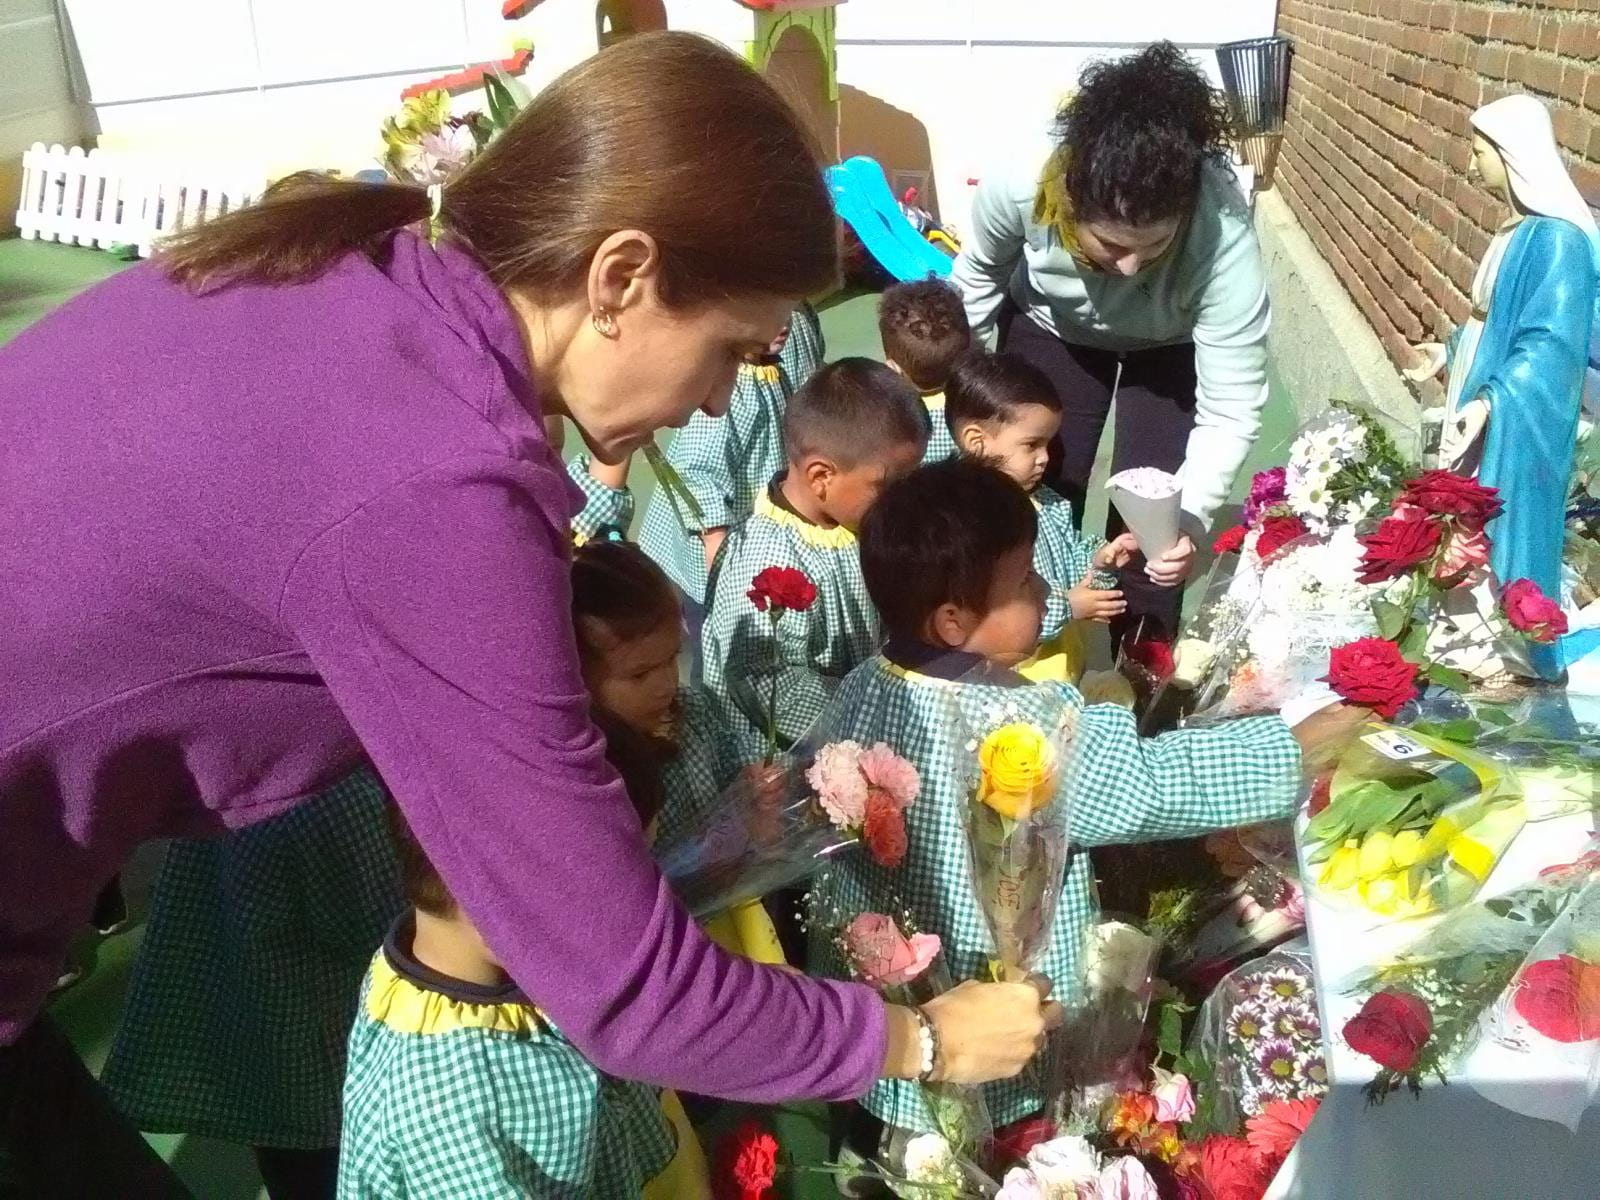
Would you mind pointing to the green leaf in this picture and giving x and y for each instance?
(1448, 677)
(1169, 1039)
(1415, 642)
(1500, 907)
(502, 108)
(1460, 730)
(1496, 716)
(1391, 618)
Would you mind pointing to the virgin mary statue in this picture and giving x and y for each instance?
(1516, 367)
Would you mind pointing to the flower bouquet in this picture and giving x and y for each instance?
(773, 826)
(1426, 1010)
(1407, 824)
(1101, 1041)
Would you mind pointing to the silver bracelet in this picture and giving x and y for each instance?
(928, 1040)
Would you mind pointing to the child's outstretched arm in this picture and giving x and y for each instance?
(607, 502)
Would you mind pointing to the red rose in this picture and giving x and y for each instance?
(1391, 1029)
(885, 828)
(1371, 673)
(1532, 612)
(1231, 1169)
(749, 1164)
(1401, 541)
(1012, 1142)
(1446, 494)
(1276, 533)
(1230, 541)
(782, 587)
(1560, 997)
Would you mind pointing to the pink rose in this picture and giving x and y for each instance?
(1174, 1096)
(885, 769)
(1126, 1179)
(884, 956)
(1465, 556)
(841, 787)
(1021, 1184)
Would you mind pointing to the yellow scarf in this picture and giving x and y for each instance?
(1052, 207)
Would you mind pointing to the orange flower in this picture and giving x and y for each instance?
(1134, 1111)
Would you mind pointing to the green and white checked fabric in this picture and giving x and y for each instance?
(726, 461)
(606, 510)
(1062, 556)
(487, 1113)
(1121, 788)
(809, 653)
(706, 762)
(245, 986)
(941, 445)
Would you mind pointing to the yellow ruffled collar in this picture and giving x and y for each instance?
(764, 372)
(837, 538)
(405, 1006)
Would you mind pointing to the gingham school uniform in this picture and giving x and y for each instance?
(607, 511)
(811, 652)
(941, 443)
(462, 1090)
(1123, 788)
(1062, 556)
(706, 761)
(725, 461)
(244, 989)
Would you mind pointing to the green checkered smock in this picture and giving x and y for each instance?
(1062, 556)
(809, 653)
(462, 1091)
(607, 511)
(941, 444)
(244, 989)
(1123, 788)
(706, 762)
(726, 461)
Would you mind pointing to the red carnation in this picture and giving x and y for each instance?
(1391, 1029)
(1560, 997)
(1230, 541)
(1231, 1169)
(1446, 494)
(885, 828)
(749, 1164)
(1532, 612)
(1153, 654)
(1372, 673)
(1276, 533)
(783, 588)
(1408, 537)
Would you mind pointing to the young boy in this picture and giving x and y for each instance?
(947, 557)
(854, 426)
(1003, 411)
(924, 330)
(724, 463)
(458, 1086)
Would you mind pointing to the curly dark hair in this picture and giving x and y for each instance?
(924, 329)
(1138, 130)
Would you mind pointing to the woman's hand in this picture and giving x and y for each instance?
(1173, 567)
(986, 1031)
(1430, 361)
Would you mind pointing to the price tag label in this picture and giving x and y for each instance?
(1393, 744)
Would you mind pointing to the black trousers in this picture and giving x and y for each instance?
(60, 1135)
(1155, 413)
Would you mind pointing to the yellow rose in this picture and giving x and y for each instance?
(1018, 770)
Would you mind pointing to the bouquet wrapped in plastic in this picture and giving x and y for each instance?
(1101, 1040)
(1407, 824)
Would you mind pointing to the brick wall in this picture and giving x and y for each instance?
(1376, 142)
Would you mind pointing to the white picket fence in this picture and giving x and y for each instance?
(107, 198)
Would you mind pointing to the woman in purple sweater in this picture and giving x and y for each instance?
(285, 498)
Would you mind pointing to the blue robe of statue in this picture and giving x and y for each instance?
(1529, 367)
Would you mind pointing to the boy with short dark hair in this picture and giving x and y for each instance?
(853, 427)
(924, 329)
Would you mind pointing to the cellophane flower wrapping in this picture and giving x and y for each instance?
(1260, 1028)
(768, 830)
(1538, 1046)
(1018, 777)
(1476, 958)
(1101, 1052)
(1407, 824)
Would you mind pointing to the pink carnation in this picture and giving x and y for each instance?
(885, 769)
(840, 785)
(883, 955)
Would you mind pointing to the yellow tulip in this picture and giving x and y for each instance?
(1375, 854)
(1340, 872)
(1018, 770)
(1380, 894)
(1406, 848)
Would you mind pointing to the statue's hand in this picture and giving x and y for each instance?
(1461, 431)
(1430, 362)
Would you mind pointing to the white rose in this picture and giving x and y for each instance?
(1119, 957)
(928, 1158)
(1064, 1162)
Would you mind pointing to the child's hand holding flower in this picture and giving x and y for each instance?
(1090, 603)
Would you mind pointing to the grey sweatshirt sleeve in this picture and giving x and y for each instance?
(990, 251)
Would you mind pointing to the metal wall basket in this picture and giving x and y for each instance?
(1255, 79)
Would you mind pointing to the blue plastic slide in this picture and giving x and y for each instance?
(861, 196)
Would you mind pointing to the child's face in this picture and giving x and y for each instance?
(1019, 447)
(845, 495)
(1009, 631)
(637, 681)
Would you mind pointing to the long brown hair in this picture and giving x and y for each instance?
(668, 133)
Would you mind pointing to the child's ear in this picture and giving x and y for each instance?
(970, 440)
(819, 473)
(950, 625)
